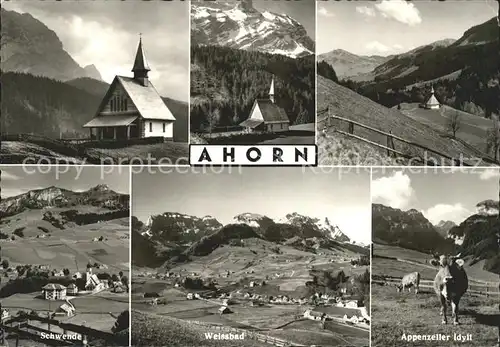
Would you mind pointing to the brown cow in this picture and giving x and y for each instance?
(450, 284)
(408, 281)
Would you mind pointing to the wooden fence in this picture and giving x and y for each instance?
(250, 334)
(474, 288)
(390, 147)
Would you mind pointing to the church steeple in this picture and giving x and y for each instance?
(271, 90)
(141, 67)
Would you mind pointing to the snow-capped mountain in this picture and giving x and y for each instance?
(324, 226)
(239, 25)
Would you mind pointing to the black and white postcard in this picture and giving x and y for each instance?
(436, 247)
(65, 244)
(250, 257)
(95, 82)
(252, 75)
(408, 83)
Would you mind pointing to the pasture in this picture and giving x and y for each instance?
(473, 129)
(395, 314)
(345, 103)
(72, 247)
(15, 152)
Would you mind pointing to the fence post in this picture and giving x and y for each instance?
(351, 128)
(390, 144)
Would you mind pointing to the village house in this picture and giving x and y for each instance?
(72, 289)
(67, 309)
(4, 314)
(54, 291)
(132, 108)
(266, 116)
(309, 314)
(432, 103)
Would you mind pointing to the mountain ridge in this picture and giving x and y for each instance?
(242, 26)
(29, 46)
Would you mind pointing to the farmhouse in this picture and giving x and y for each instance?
(54, 291)
(67, 309)
(4, 314)
(432, 103)
(266, 115)
(314, 315)
(72, 289)
(132, 108)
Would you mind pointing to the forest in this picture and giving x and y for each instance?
(225, 83)
(43, 106)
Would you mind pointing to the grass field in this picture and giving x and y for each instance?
(284, 273)
(68, 247)
(155, 330)
(348, 104)
(473, 129)
(397, 268)
(395, 314)
(15, 152)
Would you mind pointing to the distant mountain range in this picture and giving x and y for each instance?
(475, 238)
(347, 64)
(99, 196)
(239, 25)
(464, 72)
(29, 46)
(179, 236)
(171, 226)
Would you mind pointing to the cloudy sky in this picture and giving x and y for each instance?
(386, 27)
(438, 194)
(273, 192)
(18, 180)
(106, 34)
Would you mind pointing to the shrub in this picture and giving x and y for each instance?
(19, 232)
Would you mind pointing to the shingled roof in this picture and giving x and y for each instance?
(53, 286)
(146, 99)
(271, 112)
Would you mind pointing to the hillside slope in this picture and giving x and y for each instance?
(347, 64)
(346, 103)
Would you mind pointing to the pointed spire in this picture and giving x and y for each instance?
(141, 66)
(432, 89)
(271, 90)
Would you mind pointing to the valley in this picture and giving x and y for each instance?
(64, 257)
(264, 278)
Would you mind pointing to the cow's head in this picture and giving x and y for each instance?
(448, 266)
(399, 287)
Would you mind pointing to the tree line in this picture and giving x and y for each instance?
(225, 83)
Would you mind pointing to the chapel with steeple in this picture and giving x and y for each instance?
(132, 108)
(266, 115)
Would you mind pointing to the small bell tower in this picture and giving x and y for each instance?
(141, 66)
(271, 91)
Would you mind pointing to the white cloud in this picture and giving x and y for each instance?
(8, 176)
(324, 12)
(366, 11)
(377, 47)
(456, 213)
(400, 10)
(488, 174)
(394, 191)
